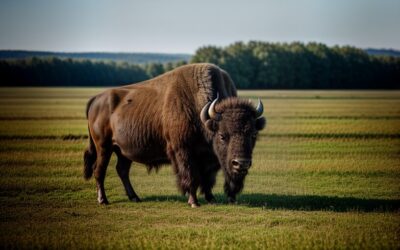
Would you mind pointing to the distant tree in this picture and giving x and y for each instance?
(209, 54)
(169, 66)
(179, 63)
(154, 69)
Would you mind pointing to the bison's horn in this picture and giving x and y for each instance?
(259, 109)
(204, 113)
(211, 111)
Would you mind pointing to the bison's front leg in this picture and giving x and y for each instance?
(208, 177)
(188, 183)
(123, 167)
(187, 174)
(192, 201)
(233, 185)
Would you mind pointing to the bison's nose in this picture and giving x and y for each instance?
(241, 164)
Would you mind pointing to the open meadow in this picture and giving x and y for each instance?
(325, 174)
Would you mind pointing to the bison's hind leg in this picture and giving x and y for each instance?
(123, 167)
(103, 158)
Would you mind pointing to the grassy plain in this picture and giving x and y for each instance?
(326, 174)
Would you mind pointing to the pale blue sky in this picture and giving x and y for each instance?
(179, 26)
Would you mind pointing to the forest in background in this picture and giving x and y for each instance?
(252, 65)
(262, 65)
(135, 58)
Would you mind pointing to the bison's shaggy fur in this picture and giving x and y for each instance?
(158, 121)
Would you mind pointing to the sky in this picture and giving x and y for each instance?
(182, 26)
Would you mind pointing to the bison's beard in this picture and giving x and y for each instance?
(233, 185)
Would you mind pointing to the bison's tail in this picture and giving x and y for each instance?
(89, 159)
(90, 154)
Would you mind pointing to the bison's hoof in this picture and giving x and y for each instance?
(210, 199)
(136, 199)
(103, 202)
(232, 201)
(194, 205)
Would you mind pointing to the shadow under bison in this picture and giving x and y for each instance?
(300, 202)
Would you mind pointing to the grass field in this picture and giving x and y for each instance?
(326, 174)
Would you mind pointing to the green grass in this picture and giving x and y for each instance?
(326, 174)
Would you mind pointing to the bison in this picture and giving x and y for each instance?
(190, 117)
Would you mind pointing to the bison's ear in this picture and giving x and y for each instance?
(260, 123)
(212, 125)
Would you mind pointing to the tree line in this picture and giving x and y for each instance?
(252, 65)
(55, 71)
(136, 58)
(262, 65)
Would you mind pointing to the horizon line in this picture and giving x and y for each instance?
(194, 52)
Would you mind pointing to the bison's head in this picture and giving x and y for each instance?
(234, 125)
